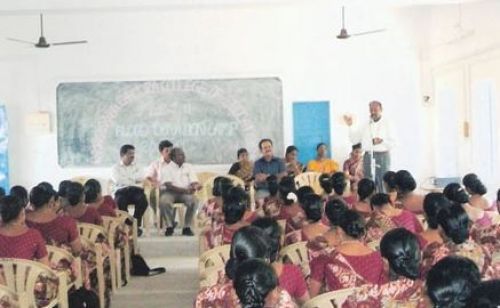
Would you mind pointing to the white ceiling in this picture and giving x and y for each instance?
(65, 6)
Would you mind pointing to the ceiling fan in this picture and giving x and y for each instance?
(345, 35)
(42, 42)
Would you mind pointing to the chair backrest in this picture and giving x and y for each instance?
(214, 258)
(332, 299)
(9, 298)
(22, 275)
(111, 226)
(57, 254)
(309, 179)
(203, 179)
(297, 254)
(91, 232)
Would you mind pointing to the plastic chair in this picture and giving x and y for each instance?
(123, 216)
(57, 254)
(332, 299)
(13, 299)
(214, 258)
(113, 227)
(297, 254)
(309, 179)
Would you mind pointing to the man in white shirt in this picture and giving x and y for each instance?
(127, 181)
(376, 136)
(157, 168)
(179, 185)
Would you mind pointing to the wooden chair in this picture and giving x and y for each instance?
(113, 227)
(123, 216)
(214, 258)
(57, 254)
(22, 275)
(12, 299)
(91, 237)
(309, 179)
(297, 254)
(332, 299)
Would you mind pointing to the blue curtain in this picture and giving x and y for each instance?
(4, 158)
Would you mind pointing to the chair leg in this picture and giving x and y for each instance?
(63, 291)
(112, 260)
(134, 236)
(100, 277)
(118, 268)
(126, 251)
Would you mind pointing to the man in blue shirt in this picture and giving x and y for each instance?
(265, 166)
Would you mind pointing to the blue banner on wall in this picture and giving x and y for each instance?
(4, 158)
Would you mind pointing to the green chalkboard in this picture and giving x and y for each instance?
(210, 119)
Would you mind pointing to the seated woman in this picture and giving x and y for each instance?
(433, 204)
(77, 208)
(366, 189)
(476, 189)
(407, 198)
(271, 205)
(454, 226)
(16, 239)
(353, 166)
(486, 295)
(325, 181)
(386, 217)
(401, 249)
(340, 185)
(58, 230)
(290, 210)
(292, 165)
(290, 276)
(248, 243)
(243, 168)
(235, 204)
(256, 285)
(21, 193)
(351, 264)
(313, 209)
(105, 205)
(451, 281)
(322, 163)
(390, 187)
(211, 211)
(61, 191)
(480, 218)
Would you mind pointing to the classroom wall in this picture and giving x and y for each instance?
(294, 41)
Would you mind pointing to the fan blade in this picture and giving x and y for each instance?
(369, 32)
(20, 41)
(69, 43)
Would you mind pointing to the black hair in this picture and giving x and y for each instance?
(164, 144)
(287, 186)
(247, 243)
(264, 140)
(40, 195)
(335, 210)
(405, 181)
(339, 182)
(272, 229)
(325, 181)
(450, 282)
(290, 149)
(379, 200)
(356, 146)
(19, 192)
(74, 193)
(366, 188)
(63, 186)
(401, 249)
(174, 152)
(272, 185)
(352, 223)
(390, 179)
(304, 191)
(455, 223)
(312, 207)
(486, 295)
(498, 195)
(235, 202)
(434, 202)
(241, 151)
(125, 148)
(319, 145)
(221, 185)
(454, 192)
(474, 184)
(10, 208)
(91, 189)
(254, 280)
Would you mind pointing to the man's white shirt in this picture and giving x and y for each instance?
(123, 176)
(180, 177)
(368, 131)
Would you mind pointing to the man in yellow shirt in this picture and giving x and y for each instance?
(322, 163)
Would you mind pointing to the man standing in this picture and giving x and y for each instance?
(375, 136)
(265, 166)
(127, 181)
(180, 184)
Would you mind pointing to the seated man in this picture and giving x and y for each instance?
(180, 184)
(267, 165)
(127, 180)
